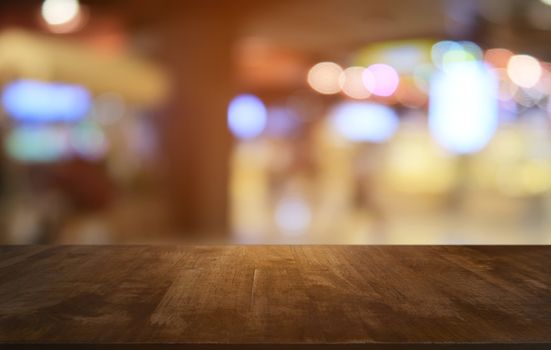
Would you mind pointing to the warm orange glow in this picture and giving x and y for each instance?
(498, 57)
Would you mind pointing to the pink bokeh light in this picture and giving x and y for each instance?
(381, 79)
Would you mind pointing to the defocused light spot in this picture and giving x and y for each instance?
(453, 56)
(28, 100)
(385, 79)
(547, 2)
(441, 48)
(473, 49)
(463, 107)
(324, 78)
(56, 12)
(37, 144)
(362, 121)
(449, 52)
(247, 116)
(293, 215)
(88, 141)
(351, 83)
(402, 55)
(524, 70)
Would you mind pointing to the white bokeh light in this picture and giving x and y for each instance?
(463, 107)
(324, 78)
(293, 215)
(364, 122)
(57, 12)
(524, 70)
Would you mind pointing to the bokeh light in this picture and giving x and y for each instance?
(463, 107)
(324, 78)
(57, 12)
(385, 79)
(363, 121)
(293, 215)
(402, 55)
(351, 83)
(37, 144)
(29, 100)
(63, 16)
(473, 50)
(498, 58)
(247, 116)
(439, 49)
(449, 52)
(524, 70)
(88, 141)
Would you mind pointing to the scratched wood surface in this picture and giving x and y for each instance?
(275, 295)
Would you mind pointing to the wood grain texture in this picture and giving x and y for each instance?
(363, 296)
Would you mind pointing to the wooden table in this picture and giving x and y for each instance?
(264, 297)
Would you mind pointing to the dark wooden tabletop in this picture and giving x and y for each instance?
(251, 296)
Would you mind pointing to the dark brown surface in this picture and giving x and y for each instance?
(371, 296)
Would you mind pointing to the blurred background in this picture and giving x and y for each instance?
(289, 121)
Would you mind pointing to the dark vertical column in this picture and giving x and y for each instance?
(197, 39)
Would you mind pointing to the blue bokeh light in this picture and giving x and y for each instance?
(35, 101)
(362, 121)
(247, 116)
(463, 110)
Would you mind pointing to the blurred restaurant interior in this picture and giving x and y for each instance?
(275, 121)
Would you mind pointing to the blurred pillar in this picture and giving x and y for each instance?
(197, 39)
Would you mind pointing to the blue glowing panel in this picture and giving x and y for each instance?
(362, 121)
(247, 116)
(463, 108)
(34, 101)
